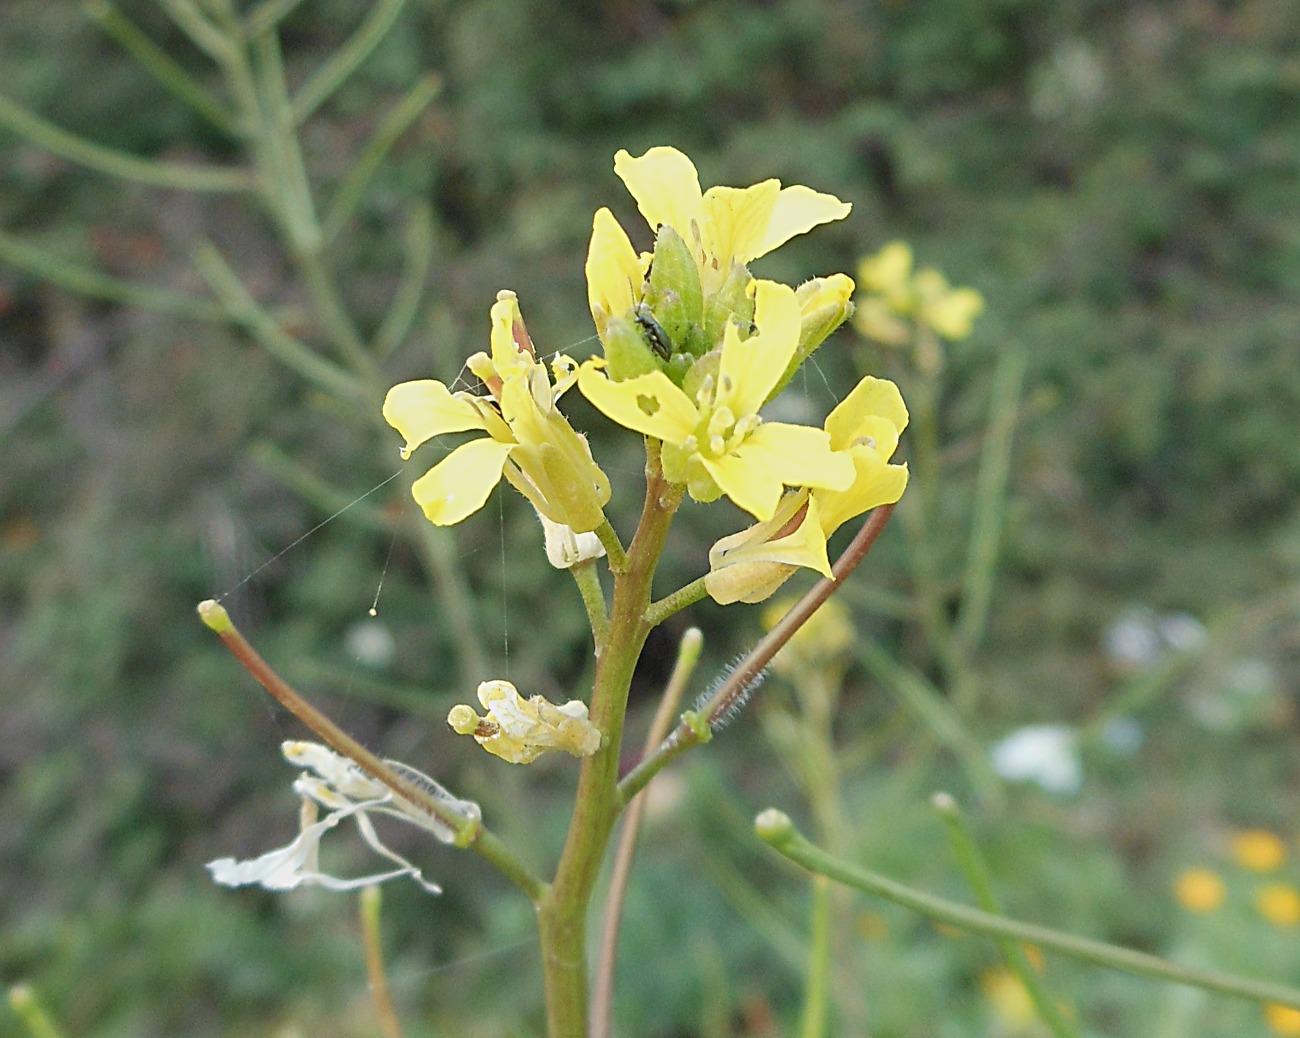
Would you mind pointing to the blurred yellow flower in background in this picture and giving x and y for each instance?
(1282, 1020)
(894, 299)
(1258, 850)
(1199, 890)
(1279, 903)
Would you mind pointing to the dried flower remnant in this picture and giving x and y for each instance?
(339, 785)
(520, 730)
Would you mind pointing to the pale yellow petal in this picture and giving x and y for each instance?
(871, 396)
(736, 220)
(875, 484)
(799, 209)
(459, 485)
(614, 271)
(752, 367)
(666, 188)
(426, 408)
(773, 456)
(650, 404)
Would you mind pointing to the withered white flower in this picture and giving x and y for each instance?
(520, 730)
(565, 548)
(346, 791)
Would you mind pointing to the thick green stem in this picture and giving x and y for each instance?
(562, 914)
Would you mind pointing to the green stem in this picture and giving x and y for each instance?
(975, 867)
(23, 1001)
(348, 194)
(587, 576)
(116, 163)
(775, 828)
(470, 833)
(369, 903)
(659, 611)
(990, 502)
(562, 915)
(817, 986)
(49, 267)
(156, 61)
(602, 1003)
(246, 312)
(396, 324)
(344, 61)
(267, 15)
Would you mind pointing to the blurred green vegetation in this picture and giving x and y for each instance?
(1121, 182)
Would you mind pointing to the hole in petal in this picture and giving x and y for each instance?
(649, 404)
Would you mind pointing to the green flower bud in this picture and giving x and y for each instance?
(627, 353)
(734, 301)
(672, 289)
(826, 305)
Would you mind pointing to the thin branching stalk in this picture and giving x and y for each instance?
(369, 904)
(470, 833)
(976, 869)
(57, 141)
(775, 828)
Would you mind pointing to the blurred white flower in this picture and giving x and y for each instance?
(370, 643)
(1047, 754)
(1132, 642)
(1182, 632)
(347, 792)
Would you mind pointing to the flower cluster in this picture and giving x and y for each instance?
(693, 348)
(895, 298)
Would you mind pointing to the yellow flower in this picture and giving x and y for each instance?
(1279, 903)
(528, 441)
(1009, 999)
(750, 565)
(1199, 890)
(1282, 1020)
(1258, 850)
(896, 295)
(519, 730)
(713, 438)
(723, 226)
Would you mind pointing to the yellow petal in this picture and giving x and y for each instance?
(736, 221)
(751, 368)
(666, 188)
(798, 210)
(875, 484)
(750, 565)
(774, 455)
(649, 404)
(871, 396)
(954, 315)
(459, 485)
(614, 271)
(423, 409)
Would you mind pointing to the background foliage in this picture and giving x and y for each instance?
(1119, 180)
